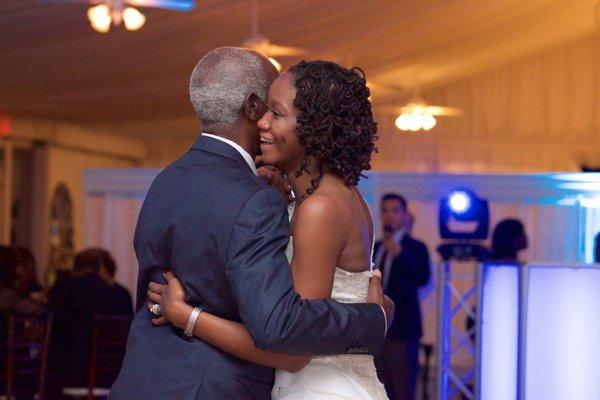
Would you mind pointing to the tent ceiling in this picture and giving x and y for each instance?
(52, 64)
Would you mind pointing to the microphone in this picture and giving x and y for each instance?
(388, 230)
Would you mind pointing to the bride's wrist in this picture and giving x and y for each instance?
(181, 315)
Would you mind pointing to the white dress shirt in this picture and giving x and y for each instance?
(385, 266)
(239, 148)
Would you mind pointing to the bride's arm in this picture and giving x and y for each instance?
(229, 336)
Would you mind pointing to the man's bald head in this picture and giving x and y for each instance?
(223, 79)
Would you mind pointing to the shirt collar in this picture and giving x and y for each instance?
(247, 157)
(399, 235)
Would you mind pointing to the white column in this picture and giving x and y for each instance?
(40, 209)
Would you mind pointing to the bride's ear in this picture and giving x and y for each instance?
(254, 107)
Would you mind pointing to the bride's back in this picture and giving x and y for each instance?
(355, 224)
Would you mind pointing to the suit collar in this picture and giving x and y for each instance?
(220, 148)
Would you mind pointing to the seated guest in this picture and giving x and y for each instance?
(27, 284)
(11, 302)
(74, 303)
(121, 296)
(508, 239)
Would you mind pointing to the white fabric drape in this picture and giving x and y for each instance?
(113, 199)
(110, 223)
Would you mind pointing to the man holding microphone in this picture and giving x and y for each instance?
(404, 263)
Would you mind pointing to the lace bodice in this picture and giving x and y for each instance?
(348, 287)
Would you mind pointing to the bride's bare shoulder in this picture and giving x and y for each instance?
(319, 205)
(322, 216)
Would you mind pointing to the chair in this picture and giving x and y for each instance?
(109, 339)
(27, 355)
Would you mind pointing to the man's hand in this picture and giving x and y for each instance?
(391, 245)
(276, 180)
(375, 295)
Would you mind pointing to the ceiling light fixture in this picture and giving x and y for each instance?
(415, 117)
(102, 16)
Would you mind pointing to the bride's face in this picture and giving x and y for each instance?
(279, 143)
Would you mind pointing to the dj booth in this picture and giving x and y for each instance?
(539, 331)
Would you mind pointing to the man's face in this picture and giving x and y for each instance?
(272, 75)
(393, 214)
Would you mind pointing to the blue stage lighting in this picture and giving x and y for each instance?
(464, 216)
(459, 202)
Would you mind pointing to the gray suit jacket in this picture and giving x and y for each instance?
(223, 232)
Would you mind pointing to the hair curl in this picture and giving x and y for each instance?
(335, 123)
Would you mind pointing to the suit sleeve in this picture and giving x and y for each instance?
(274, 314)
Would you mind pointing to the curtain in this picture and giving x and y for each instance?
(113, 199)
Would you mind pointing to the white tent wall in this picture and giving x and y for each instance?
(556, 209)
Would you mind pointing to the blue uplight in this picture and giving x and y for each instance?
(459, 202)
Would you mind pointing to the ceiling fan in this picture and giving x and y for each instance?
(416, 115)
(260, 43)
(103, 13)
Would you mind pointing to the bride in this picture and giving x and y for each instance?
(319, 130)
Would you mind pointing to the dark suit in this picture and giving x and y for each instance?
(398, 363)
(223, 231)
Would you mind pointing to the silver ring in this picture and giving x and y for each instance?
(155, 309)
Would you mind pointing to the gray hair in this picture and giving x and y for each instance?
(221, 81)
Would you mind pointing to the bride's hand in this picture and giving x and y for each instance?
(276, 180)
(171, 302)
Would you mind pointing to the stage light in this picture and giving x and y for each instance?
(459, 202)
(465, 218)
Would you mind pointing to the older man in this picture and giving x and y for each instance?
(209, 213)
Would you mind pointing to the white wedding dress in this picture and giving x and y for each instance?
(343, 377)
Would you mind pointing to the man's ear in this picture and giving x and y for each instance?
(254, 107)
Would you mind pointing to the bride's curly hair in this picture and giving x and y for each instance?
(335, 123)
